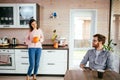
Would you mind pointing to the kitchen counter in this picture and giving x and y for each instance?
(53, 61)
(22, 46)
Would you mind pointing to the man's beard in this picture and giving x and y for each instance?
(96, 45)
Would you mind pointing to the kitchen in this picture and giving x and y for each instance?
(61, 23)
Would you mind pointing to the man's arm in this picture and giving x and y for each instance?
(109, 65)
(84, 60)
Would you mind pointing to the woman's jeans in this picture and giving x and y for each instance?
(34, 60)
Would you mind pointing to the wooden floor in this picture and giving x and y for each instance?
(38, 78)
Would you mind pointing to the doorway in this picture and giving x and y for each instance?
(82, 28)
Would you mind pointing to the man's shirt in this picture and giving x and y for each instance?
(101, 61)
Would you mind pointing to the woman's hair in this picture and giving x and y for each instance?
(100, 37)
(30, 22)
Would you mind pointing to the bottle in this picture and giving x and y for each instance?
(14, 41)
(54, 36)
(55, 45)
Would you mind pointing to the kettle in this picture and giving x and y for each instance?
(14, 41)
(4, 40)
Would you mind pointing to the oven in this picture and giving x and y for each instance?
(7, 59)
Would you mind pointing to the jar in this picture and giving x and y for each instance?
(55, 45)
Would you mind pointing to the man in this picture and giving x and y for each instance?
(98, 58)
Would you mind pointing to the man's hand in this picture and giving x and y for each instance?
(108, 70)
(82, 66)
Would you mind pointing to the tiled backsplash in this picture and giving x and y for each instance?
(19, 34)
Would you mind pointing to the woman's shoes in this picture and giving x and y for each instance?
(27, 77)
(34, 77)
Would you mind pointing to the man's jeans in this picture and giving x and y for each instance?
(34, 60)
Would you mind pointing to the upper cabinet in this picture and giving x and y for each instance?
(17, 15)
(7, 15)
(25, 13)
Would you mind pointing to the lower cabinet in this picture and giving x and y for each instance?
(52, 62)
(21, 59)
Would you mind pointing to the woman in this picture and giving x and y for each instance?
(34, 41)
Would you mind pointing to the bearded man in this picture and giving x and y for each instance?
(98, 57)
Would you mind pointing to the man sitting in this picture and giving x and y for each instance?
(98, 58)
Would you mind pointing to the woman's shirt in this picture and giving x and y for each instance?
(35, 33)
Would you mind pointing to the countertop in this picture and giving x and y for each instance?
(45, 46)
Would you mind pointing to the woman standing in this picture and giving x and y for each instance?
(34, 41)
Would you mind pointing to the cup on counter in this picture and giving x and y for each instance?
(100, 73)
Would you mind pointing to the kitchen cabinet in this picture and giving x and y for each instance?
(21, 60)
(25, 13)
(17, 15)
(52, 62)
(7, 15)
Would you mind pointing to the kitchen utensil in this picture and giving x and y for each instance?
(4, 40)
(62, 41)
(14, 41)
(1, 41)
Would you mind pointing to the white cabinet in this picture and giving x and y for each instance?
(25, 13)
(53, 62)
(7, 15)
(21, 59)
(17, 15)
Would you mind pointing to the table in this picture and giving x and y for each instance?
(90, 75)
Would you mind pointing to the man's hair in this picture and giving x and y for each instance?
(100, 38)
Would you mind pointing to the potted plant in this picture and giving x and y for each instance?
(109, 46)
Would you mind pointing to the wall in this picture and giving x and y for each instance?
(62, 22)
(115, 33)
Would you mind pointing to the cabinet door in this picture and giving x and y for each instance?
(22, 62)
(54, 62)
(7, 15)
(55, 55)
(25, 13)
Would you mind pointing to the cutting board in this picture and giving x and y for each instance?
(4, 44)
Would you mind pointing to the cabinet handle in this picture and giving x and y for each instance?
(24, 57)
(24, 63)
(50, 51)
(51, 63)
(6, 26)
(24, 51)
